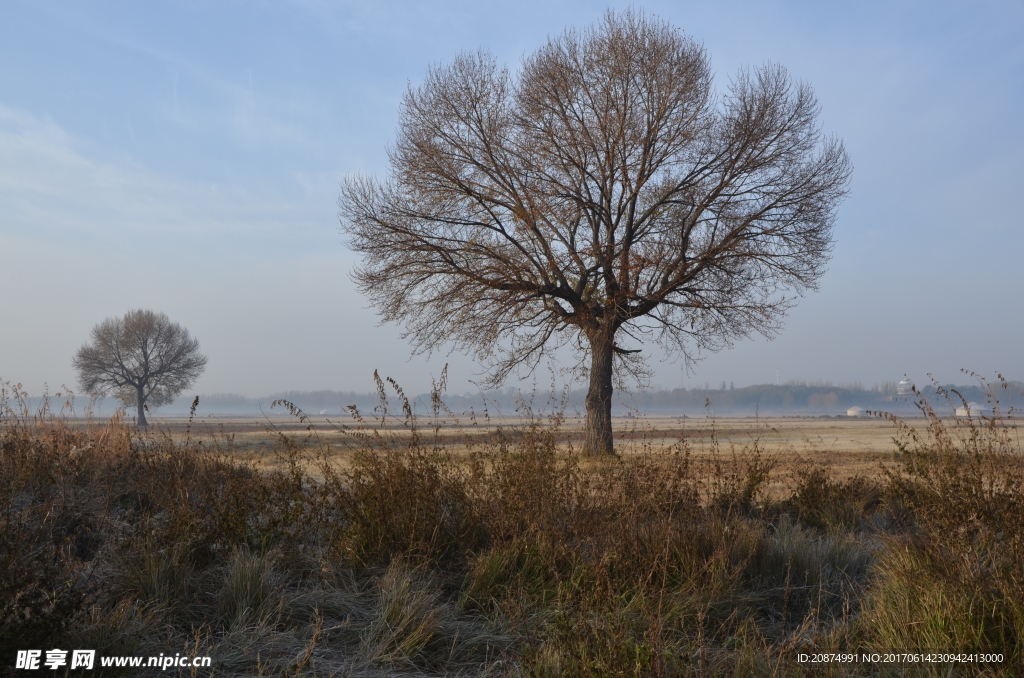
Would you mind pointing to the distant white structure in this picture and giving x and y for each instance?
(972, 410)
(854, 411)
(905, 389)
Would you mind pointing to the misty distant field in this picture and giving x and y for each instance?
(849, 445)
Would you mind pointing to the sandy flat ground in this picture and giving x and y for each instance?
(841, 434)
(847, 445)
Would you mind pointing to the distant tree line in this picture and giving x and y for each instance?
(793, 397)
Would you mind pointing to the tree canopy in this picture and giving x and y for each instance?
(605, 196)
(143, 358)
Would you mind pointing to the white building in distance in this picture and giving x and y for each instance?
(972, 410)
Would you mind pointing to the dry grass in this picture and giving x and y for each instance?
(849, 446)
(505, 553)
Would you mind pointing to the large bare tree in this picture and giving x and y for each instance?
(144, 358)
(603, 196)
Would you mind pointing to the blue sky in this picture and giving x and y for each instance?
(185, 156)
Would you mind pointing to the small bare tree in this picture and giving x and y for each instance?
(605, 191)
(144, 358)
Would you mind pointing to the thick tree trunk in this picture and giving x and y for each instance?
(598, 438)
(141, 402)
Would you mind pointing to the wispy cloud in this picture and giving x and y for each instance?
(52, 181)
(236, 103)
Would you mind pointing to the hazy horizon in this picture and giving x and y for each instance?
(186, 158)
(764, 400)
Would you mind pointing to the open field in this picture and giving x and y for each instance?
(848, 446)
(822, 434)
(289, 547)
